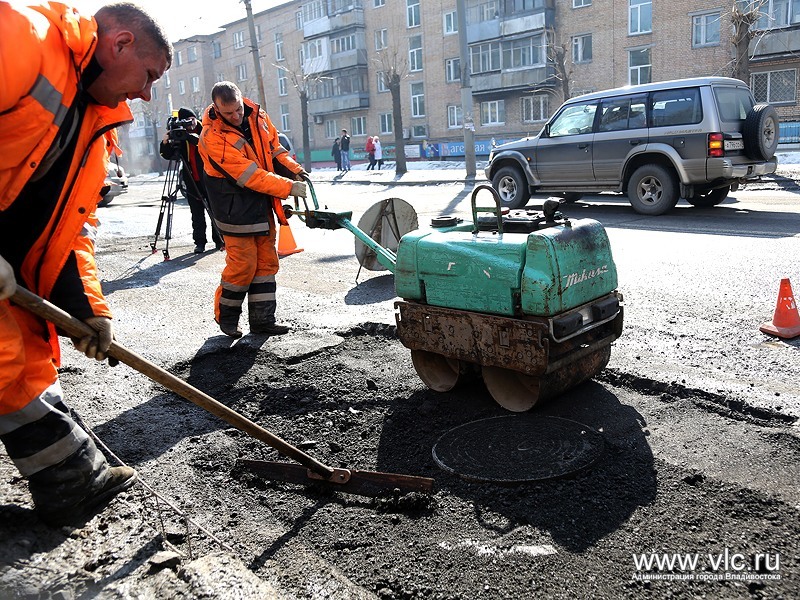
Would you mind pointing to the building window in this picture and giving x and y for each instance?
(191, 54)
(154, 93)
(412, 13)
(415, 53)
(241, 72)
(452, 70)
(382, 87)
(216, 49)
(195, 84)
(526, 5)
(343, 44)
(311, 50)
(381, 39)
(298, 19)
(535, 108)
(775, 87)
(493, 112)
(313, 11)
(358, 126)
(387, 123)
(282, 80)
(331, 130)
(181, 87)
(582, 48)
(166, 80)
(258, 33)
(639, 66)
(487, 11)
(450, 23)
(221, 77)
(705, 30)
(419, 131)
(279, 46)
(778, 13)
(455, 117)
(179, 58)
(284, 109)
(484, 58)
(238, 40)
(640, 16)
(522, 53)
(417, 99)
(581, 3)
(378, 3)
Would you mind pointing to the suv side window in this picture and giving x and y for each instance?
(627, 112)
(676, 107)
(573, 120)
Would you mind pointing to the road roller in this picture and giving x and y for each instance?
(525, 299)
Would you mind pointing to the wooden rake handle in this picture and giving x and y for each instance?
(78, 329)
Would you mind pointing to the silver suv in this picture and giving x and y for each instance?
(696, 139)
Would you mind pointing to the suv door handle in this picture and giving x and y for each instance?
(583, 146)
(634, 142)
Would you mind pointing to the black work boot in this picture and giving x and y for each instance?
(77, 487)
(229, 321)
(262, 319)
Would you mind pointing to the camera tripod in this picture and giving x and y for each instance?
(172, 184)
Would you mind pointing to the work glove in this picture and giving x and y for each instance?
(96, 346)
(8, 284)
(299, 176)
(298, 189)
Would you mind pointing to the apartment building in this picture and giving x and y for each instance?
(333, 56)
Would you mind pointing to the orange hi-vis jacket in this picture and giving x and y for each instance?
(43, 53)
(236, 169)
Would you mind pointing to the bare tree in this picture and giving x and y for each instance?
(743, 16)
(303, 82)
(557, 54)
(393, 63)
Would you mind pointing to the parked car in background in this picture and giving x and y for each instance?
(286, 143)
(116, 183)
(696, 139)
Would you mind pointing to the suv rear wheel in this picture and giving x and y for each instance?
(652, 190)
(512, 187)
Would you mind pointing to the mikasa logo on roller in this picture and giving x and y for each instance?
(574, 278)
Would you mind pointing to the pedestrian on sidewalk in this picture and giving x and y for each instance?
(377, 151)
(369, 148)
(66, 79)
(243, 156)
(344, 144)
(336, 153)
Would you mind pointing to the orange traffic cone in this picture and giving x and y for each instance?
(786, 321)
(286, 243)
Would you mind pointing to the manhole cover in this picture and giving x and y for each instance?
(518, 448)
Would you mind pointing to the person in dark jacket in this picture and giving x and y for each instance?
(185, 150)
(344, 144)
(336, 153)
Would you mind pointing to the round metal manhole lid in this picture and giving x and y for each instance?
(518, 449)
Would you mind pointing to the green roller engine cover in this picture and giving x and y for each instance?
(542, 273)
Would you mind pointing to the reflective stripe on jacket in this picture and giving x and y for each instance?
(242, 182)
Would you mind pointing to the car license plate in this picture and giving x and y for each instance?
(734, 145)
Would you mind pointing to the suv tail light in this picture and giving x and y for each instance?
(716, 148)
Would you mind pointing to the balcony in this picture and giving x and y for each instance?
(351, 58)
(344, 19)
(508, 80)
(339, 103)
(776, 42)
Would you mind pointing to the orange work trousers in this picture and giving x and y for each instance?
(248, 259)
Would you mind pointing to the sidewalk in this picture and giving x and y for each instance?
(419, 173)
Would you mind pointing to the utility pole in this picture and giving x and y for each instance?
(254, 49)
(466, 90)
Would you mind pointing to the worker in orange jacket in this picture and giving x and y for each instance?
(242, 157)
(64, 81)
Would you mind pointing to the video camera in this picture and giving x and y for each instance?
(178, 129)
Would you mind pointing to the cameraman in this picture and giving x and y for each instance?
(182, 145)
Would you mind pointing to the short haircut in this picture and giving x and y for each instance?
(129, 16)
(225, 91)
